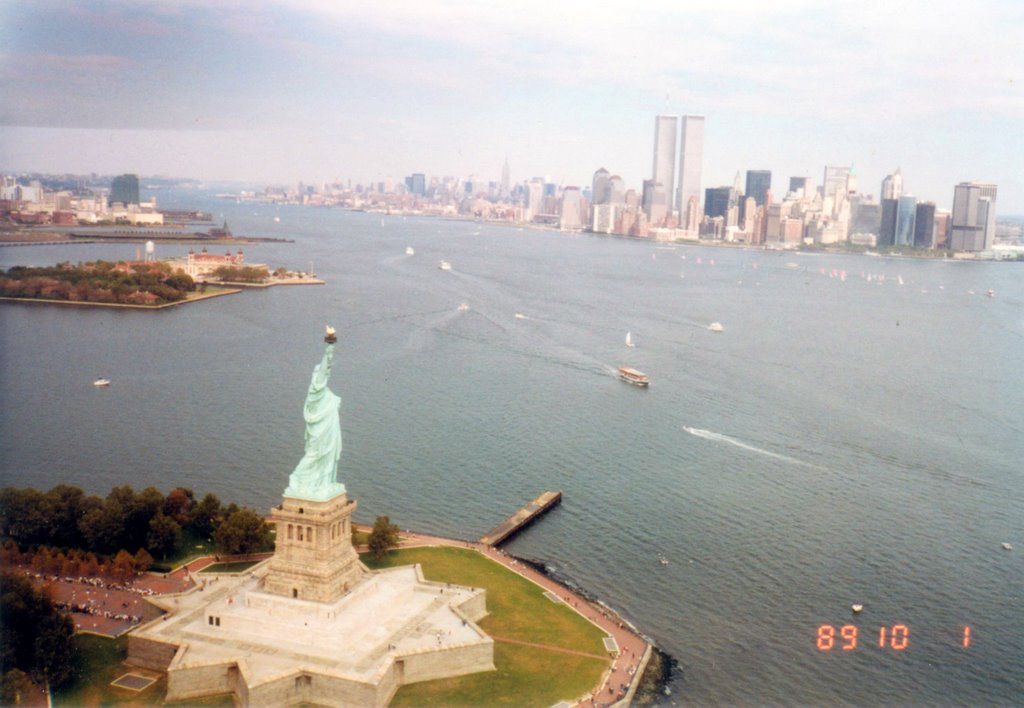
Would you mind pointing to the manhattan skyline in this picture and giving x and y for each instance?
(318, 92)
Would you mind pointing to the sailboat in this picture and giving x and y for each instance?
(629, 339)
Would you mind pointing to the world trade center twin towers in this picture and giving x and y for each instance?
(662, 195)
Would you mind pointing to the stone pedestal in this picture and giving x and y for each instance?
(314, 558)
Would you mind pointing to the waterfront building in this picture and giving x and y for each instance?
(124, 189)
(905, 213)
(603, 221)
(655, 202)
(892, 185)
(887, 229)
(974, 217)
(616, 190)
(942, 222)
(835, 189)
(718, 201)
(924, 225)
(664, 172)
(691, 157)
(506, 180)
(600, 187)
(800, 187)
(534, 199)
(416, 184)
(569, 217)
(758, 184)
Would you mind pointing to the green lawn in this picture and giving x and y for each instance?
(98, 663)
(517, 610)
(192, 546)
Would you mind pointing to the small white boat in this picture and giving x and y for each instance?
(445, 265)
(520, 316)
(1007, 547)
(99, 383)
(716, 327)
(662, 559)
(409, 251)
(277, 219)
(629, 340)
(991, 292)
(463, 307)
(899, 279)
(856, 608)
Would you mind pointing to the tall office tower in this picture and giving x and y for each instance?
(603, 221)
(506, 180)
(924, 225)
(655, 202)
(749, 210)
(693, 214)
(718, 201)
(737, 183)
(942, 221)
(691, 156)
(416, 183)
(616, 190)
(974, 217)
(124, 190)
(665, 130)
(836, 183)
(905, 213)
(892, 185)
(534, 197)
(569, 218)
(800, 187)
(599, 191)
(758, 184)
(887, 231)
(631, 199)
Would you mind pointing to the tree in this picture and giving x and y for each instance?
(383, 537)
(205, 515)
(36, 636)
(164, 535)
(123, 566)
(143, 561)
(242, 532)
(14, 687)
(178, 505)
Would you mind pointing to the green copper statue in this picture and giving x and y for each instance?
(315, 477)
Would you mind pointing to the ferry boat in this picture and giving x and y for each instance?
(716, 327)
(100, 383)
(637, 378)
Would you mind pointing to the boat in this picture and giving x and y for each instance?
(445, 265)
(99, 383)
(637, 378)
(899, 279)
(520, 316)
(991, 292)
(716, 327)
(409, 251)
(629, 339)
(277, 219)
(856, 608)
(1007, 547)
(463, 307)
(662, 559)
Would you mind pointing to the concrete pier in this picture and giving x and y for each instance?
(522, 518)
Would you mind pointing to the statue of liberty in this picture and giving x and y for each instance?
(315, 477)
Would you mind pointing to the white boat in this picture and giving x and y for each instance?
(463, 307)
(409, 251)
(637, 378)
(520, 316)
(629, 339)
(662, 559)
(1007, 547)
(277, 219)
(99, 383)
(445, 265)
(716, 327)
(991, 292)
(856, 608)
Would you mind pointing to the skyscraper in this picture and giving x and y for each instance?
(718, 201)
(569, 219)
(125, 190)
(691, 155)
(906, 211)
(887, 231)
(506, 180)
(892, 185)
(665, 129)
(799, 186)
(974, 217)
(924, 225)
(758, 184)
(655, 202)
(600, 187)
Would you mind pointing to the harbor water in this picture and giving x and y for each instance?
(855, 434)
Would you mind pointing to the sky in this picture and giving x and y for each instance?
(274, 92)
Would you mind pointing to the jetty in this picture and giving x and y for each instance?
(521, 519)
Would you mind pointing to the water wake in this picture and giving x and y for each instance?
(718, 437)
